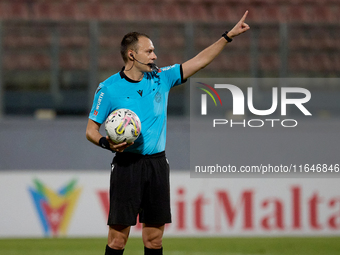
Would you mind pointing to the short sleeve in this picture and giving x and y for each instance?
(173, 74)
(101, 107)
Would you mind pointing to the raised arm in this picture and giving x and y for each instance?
(205, 57)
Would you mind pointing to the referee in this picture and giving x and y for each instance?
(139, 182)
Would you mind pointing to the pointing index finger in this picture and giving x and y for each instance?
(244, 16)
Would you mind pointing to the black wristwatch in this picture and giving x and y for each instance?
(227, 37)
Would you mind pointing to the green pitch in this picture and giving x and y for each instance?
(177, 246)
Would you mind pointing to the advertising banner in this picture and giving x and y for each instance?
(75, 204)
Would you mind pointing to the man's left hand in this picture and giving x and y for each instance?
(240, 27)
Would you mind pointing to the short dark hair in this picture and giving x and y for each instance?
(130, 41)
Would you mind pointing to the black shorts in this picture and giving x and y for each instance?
(139, 184)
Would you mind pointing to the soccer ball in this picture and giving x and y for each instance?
(123, 125)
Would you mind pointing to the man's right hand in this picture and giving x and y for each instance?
(118, 147)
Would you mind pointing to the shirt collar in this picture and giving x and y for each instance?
(123, 76)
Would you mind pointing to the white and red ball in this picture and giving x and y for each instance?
(123, 125)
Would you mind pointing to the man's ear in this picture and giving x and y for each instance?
(130, 55)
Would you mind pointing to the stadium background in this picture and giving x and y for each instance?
(54, 53)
